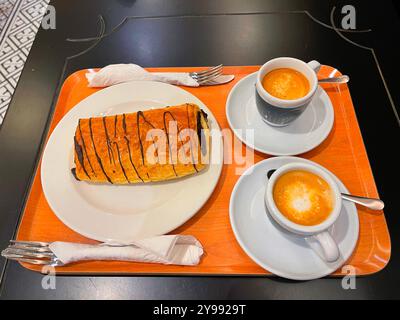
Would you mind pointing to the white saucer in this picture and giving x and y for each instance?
(273, 248)
(302, 135)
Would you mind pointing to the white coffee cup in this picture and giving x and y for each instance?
(278, 112)
(320, 232)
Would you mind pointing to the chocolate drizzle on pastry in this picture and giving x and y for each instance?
(191, 146)
(79, 154)
(139, 115)
(124, 122)
(111, 149)
(73, 171)
(120, 162)
(200, 131)
(130, 159)
(169, 144)
(95, 151)
(129, 147)
(84, 148)
(115, 126)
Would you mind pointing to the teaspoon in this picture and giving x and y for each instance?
(371, 203)
(341, 79)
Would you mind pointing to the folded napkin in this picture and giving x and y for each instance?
(169, 249)
(119, 73)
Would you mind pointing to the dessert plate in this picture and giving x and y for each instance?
(272, 247)
(127, 212)
(304, 134)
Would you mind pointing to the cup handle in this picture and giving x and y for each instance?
(315, 65)
(330, 250)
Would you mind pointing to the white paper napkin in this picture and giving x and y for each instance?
(168, 249)
(119, 73)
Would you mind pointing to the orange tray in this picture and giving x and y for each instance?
(343, 153)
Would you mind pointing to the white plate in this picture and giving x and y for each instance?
(302, 135)
(123, 213)
(273, 248)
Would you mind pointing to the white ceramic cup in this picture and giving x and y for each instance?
(320, 232)
(278, 112)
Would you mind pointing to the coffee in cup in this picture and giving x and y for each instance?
(286, 84)
(303, 197)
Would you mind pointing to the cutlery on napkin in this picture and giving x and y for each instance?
(119, 73)
(167, 249)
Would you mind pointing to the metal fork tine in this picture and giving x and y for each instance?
(29, 248)
(28, 253)
(30, 243)
(15, 253)
(209, 78)
(207, 74)
(206, 81)
(34, 252)
(208, 70)
(32, 261)
(215, 72)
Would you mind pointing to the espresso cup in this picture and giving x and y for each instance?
(320, 232)
(278, 112)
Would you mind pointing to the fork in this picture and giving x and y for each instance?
(208, 75)
(32, 252)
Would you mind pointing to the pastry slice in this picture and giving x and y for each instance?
(145, 146)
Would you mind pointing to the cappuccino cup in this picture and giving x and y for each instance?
(305, 207)
(275, 110)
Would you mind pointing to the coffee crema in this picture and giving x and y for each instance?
(303, 197)
(286, 84)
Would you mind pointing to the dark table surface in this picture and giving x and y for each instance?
(201, 33)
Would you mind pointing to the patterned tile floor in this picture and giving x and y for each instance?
(19, 23)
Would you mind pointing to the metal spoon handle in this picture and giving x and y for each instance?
(373, 204)
(342, 79)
